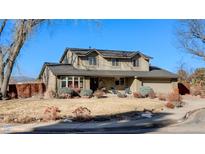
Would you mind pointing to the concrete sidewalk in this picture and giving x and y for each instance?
(167, 117)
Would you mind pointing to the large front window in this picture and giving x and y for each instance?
(71, 81)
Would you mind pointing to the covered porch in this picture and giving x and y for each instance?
(96, 82)
(117, 83)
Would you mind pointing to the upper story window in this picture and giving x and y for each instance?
(115, 62)
(135, 62)
(92, 60)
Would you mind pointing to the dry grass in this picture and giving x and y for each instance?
(103, 106)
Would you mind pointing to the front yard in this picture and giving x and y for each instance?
(35, 108)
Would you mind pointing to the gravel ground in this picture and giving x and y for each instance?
(33, 107)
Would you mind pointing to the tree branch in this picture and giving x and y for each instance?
(3, 26)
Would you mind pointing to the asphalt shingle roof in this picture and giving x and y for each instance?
(66, 69)
(105, 53)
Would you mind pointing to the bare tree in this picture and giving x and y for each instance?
(183, 73)
(8, 54)
(191, 36)
(3, 24)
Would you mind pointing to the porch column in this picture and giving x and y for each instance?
(136, 84)
(86, 84)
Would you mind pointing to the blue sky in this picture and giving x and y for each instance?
(155, 38)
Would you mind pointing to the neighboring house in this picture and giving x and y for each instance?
(96, 68)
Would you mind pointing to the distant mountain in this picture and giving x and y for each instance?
(16, 79)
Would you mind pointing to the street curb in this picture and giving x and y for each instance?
(152, 125)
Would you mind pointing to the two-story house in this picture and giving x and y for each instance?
(96, 68)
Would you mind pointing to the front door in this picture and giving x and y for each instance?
(94, 83)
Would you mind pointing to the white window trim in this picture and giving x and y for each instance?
(73, 80)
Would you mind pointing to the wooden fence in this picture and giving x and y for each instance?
(25, 90)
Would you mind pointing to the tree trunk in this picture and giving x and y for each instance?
(15, 49)
(6, 79)
(1, 68)
(23, 29)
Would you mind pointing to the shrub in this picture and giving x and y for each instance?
(99, 94)
(49, 94)
(8, 118)
(137, 95)
(65, 92)
(25, 119)
(120, 95)
(82, 114)
(51, 113)
(127, 91)
(162, 97)
(104, 90)
(174, 96)
(152, 95)
(18, 119)
(145, 90)
(113, 90)
(195, 90)
(170, 105)
(77, 90)
(86, 92)
(202, 94)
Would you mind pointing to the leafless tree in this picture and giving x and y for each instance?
(191, 36)
(183, 73)
(9, 53)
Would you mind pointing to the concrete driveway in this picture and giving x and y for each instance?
(194, 125)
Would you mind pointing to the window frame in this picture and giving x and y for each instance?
(92, 60)
(115, 62)
(135, 62)
(120, 81)
(63, 79)
(78, 79)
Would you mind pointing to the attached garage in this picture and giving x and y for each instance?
(159, 85)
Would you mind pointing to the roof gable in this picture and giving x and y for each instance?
(104, 53)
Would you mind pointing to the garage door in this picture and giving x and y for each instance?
(159, 87)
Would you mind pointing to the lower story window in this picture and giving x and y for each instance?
(76, 83)
(71, 82)
(120, 81)
(63, 84)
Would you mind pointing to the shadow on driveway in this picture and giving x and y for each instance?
(123, 123)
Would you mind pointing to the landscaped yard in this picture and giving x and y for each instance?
(105, 106)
